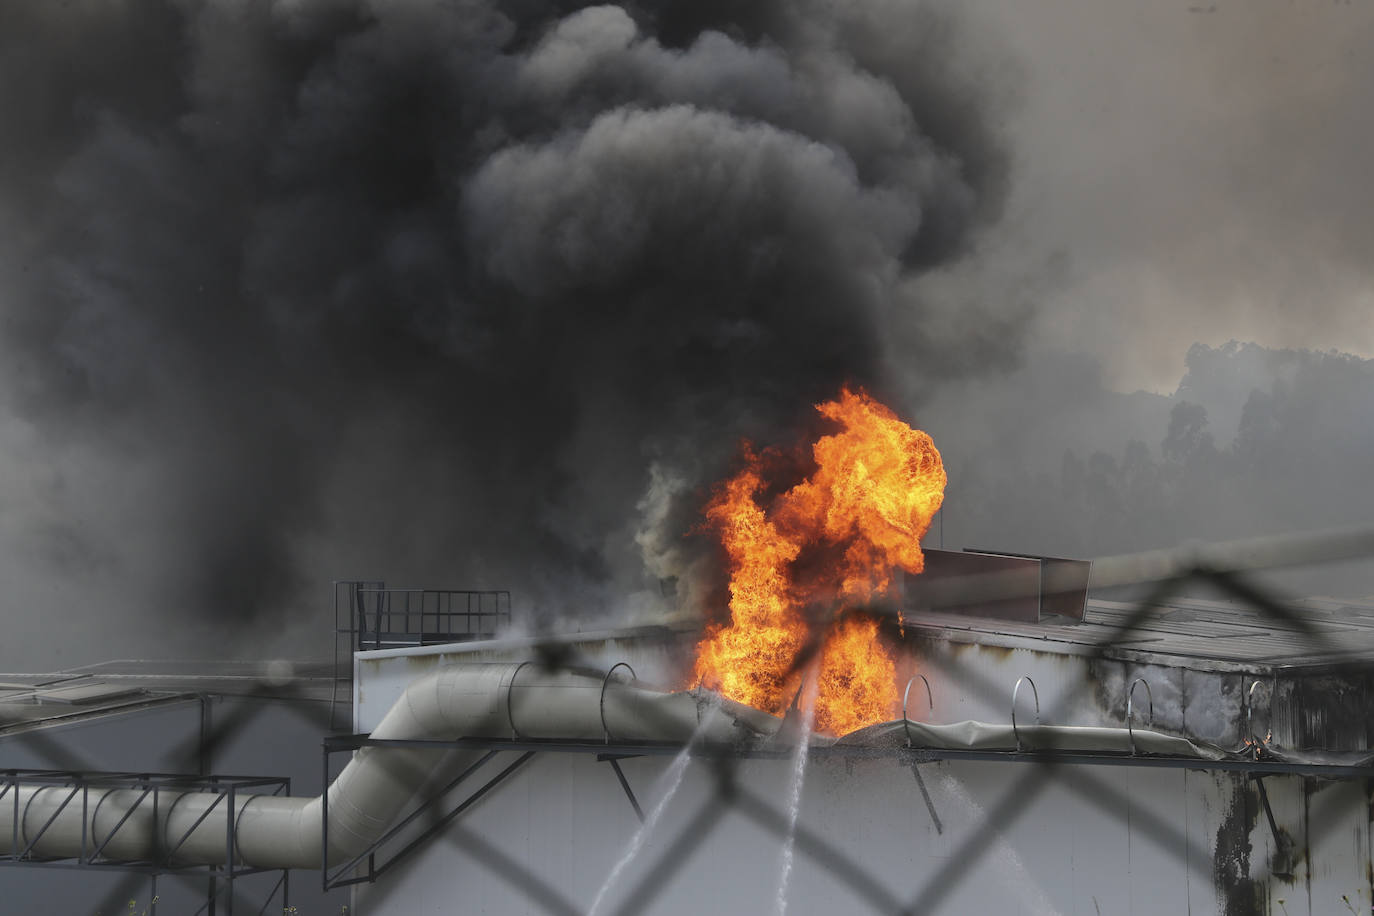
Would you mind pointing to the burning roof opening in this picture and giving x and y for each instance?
(829, 542)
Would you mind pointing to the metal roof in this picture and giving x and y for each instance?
(1199, 633)
(1318, 633)
(110, 688)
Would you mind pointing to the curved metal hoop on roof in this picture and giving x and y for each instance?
(1036, 694)
(1130, 709)
(510, 713)
(601, 703)
(930, 697)
(1257, 741)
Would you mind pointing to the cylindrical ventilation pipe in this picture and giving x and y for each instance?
(470, 700)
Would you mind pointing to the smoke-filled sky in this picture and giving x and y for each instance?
(485, 294)
(1201, 169)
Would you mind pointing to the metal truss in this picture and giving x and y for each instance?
(153, 789)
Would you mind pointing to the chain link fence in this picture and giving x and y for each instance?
(1165, 574)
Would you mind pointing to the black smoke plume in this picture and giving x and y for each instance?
(468, 292)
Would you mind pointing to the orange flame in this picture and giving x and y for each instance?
(833, 538)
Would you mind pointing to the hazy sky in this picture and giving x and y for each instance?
(1202, 169)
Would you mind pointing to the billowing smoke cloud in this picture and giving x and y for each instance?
(467, 293)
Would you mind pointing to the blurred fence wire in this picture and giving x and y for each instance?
(1227, 568)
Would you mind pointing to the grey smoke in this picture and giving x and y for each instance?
(472, 293)
(1199, 171)
(1253, 441)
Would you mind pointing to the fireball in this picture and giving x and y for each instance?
(832, 541)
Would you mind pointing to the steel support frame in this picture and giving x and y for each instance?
(1283, 844)
(340, 876)
(614, 761)
(154, 786)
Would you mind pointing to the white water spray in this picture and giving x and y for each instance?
(667, 785)
(1010, 871)
(808, 715)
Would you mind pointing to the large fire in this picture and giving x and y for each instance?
(831, 541)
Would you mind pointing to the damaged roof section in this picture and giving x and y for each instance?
(1208, 634)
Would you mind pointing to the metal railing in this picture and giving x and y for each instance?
(369, 615)
(374, 616)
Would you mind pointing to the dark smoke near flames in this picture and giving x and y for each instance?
(464, 293)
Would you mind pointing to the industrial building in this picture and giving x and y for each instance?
(1054, 755)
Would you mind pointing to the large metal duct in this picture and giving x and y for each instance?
(472, 700)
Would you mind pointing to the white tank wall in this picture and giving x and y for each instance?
(1090, 840)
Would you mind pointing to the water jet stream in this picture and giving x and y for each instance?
(668, 785)
(808, 716)
(1010, 870)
